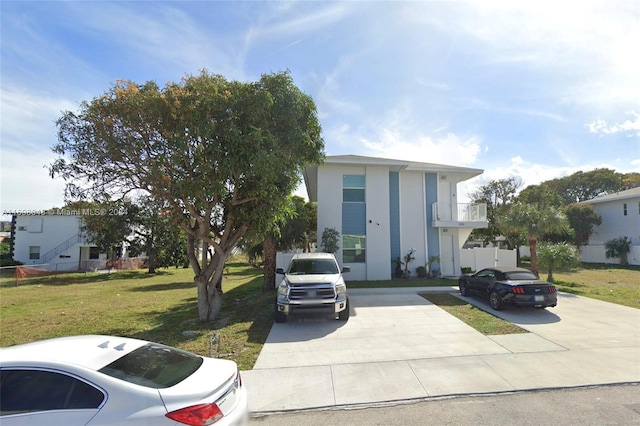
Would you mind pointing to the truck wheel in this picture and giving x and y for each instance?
(279, 317)
(344, 315)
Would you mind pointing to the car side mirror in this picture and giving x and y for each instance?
(280, 271)
(346, 269)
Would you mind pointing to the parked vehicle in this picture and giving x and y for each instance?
(509, 286)
(312, 282)
(108, 380)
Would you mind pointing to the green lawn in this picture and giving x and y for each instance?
(135, 304)
(161, 307)
(475, 317)
(609, 283)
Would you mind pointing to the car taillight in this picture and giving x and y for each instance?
(552, 289)
(197, 415)
(517, 290)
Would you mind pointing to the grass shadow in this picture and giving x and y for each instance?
(65, 279)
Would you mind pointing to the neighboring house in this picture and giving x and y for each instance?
(55, 241)
(620, 214)
(384, 208)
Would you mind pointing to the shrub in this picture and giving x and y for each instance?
(330, 238)
(618, 247)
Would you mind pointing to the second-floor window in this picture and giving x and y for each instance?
(624, 209)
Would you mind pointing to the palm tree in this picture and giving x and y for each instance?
(534, 223)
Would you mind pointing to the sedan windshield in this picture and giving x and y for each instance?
(154, 366)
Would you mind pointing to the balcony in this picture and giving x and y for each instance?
(463, 215)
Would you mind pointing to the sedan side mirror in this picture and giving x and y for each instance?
(280, 271)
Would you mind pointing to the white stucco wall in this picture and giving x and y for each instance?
(378, 237)
(615, 224)
(413, 218)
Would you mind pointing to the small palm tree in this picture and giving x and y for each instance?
(620, 248)
(534, 223)
(556, 257)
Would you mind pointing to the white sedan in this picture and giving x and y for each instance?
(108, 380)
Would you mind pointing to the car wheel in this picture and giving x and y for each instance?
(279, 317)
(495, 301)
(464, 291)
(344, 315)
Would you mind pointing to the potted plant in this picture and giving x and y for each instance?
(397, 273)
(407, 259)
(432, 270)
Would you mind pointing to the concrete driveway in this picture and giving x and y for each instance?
(398, 346)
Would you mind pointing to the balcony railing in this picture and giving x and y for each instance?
(459, 215)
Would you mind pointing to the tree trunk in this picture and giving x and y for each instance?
(533, 242)
(209, 299)
(151, 250)
(208, 279)
(269, 259)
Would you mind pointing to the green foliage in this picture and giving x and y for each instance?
(556, 257)
(298, 231)
(582, 218)
(533, 223)
(406, 260)
(498, 195)
(9, 262)
(580, 186)
(223, 156)
(5, 248)
(540, 196)
(330, 239)
(618, 248)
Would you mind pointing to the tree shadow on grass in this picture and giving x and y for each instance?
(64, 279)
(245, 304)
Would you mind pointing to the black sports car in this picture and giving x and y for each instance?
(509, 286)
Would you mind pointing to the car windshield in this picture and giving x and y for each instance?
(312, 266)
(154, 366)
(520, 276)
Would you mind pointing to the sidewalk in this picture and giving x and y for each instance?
(397, 346)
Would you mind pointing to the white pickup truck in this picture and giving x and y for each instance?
(312, 282)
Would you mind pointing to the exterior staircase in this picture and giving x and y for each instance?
(61, 248)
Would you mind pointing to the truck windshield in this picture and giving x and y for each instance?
(312, 266)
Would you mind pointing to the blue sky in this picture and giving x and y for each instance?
(531, 89)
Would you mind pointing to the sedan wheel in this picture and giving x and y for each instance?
(495, 301)
(463, 289)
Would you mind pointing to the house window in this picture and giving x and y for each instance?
(353, 248)
(94, 253)
(353, 219)
(624, 209)
(34, 252)
(353, 189)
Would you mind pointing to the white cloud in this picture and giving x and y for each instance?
(28, 116)
(26, 184)
(628, 126)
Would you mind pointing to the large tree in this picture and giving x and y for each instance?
(582, 218)
(498, 195)
(533, 223)
(222, 155)
(582, 186)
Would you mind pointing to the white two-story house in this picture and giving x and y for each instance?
(54, 241)
(384, 208)
(620, 213)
